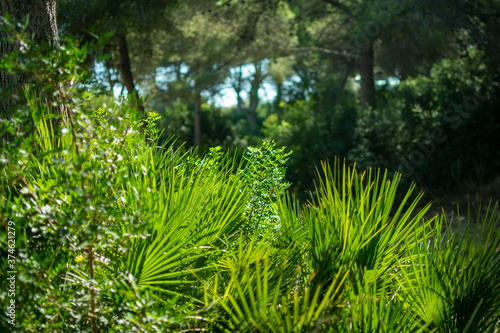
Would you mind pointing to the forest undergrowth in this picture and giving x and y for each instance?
(109, 229)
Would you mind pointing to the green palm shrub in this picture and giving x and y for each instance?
(191, 212)
(452, 281)
(262, 294)
(352, 221)
(332, 266)
(375, 307)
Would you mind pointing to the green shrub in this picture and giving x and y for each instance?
(264, 174)
(437, 130)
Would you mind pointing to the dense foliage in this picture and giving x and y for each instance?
(115, 231)
(411, 86)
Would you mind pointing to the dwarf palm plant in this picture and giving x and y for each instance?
(374, 307)
(353, 221)
(263, 294)
(192, 212)
(332, 265)
(452, 281)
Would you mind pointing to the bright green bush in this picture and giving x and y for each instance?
(105, 219)
(264, 174)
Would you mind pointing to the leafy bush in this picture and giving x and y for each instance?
(438, 130)
(264, 174)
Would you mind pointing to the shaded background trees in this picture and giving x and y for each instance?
(370, 81)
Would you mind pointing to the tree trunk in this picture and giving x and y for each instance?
(237, 86)
(350, 67)
(240, 105)
(251, 111)
(277, 100)
(252, 120)
(197, 118)
(126, 73)
(254, 97)
(42, 27)
(366, 72)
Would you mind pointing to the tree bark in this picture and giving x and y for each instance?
(350, 67)
(254, 97)
(277, 100)
(367, 80)
(197, 118)
(251, 111)
(42, 27)
(237, 86)
(126, 73)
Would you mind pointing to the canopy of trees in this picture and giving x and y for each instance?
(348, 78)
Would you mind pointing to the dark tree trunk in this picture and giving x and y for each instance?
(42, 27)
(126, 73)
(254, 97)
(197, 118)
(277, 100)
(237, 85)
(240, 105)
(367, 80)
(350, 67)
(251, 111)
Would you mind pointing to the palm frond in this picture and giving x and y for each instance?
(452, 280)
